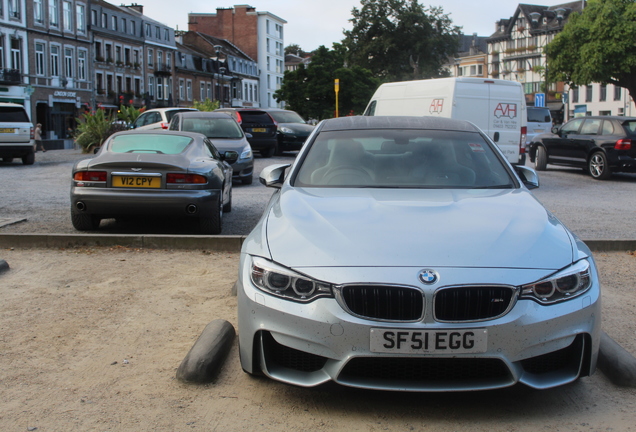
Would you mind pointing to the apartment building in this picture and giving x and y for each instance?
(14, 61)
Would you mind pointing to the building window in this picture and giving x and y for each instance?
(109, 84)
(127, 59)
(99, 78)
(80, 16)
(38, 11)
(118, 58)
(137, 86)
(120, 84)
(39, 59)
(181, 88)
(189, 90)
(588, 93)
(209, 96)
(159, 59)
(14, 9)
(159, 88)
(148, 30)
(53, 13)
(602, 97)
(16, 54)
(94, 18)
(81, 64)
(157, 32)
(104, 22)
(123, 25)
(150, 57)
(168, 61)
(68, 15)
(109, 53)
(113, 22)
(55, 60)
(133, 27)
(68, 62)
(202, 91)
(151, 86)
(617, 93)
(166, 34)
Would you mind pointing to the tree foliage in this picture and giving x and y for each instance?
(129, 114)
(309, 90)
(597, 46)
(294, 49)
(206, 105)
(400, 39)
(93, 128)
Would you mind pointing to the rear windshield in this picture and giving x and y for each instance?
(13, 115)
(255, 117)
(538, 115)
(223, 128)
(286, 117)
(630, 127)
(150, 143)
(170, 114)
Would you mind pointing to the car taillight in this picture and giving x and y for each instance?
(90, 176)
(275, 124)
(522, 142)
(623, 144)
(32, 134)
(239, 120)
(164, 125)
(186, 178)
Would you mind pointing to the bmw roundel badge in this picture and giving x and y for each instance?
(428, 276)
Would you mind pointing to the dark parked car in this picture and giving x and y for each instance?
(153, 174)
(260, 125)
(225, 134)
(293, 130)
(600, 145)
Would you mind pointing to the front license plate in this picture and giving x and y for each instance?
(429, 341)
(7, 130)
(136, 181)
(539, 131)
(263, 130)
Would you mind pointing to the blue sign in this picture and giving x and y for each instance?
(539, 99)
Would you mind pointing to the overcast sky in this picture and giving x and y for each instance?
(311, 23)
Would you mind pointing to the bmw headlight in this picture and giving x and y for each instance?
(283, 282)
(285, 130)
(563, 285)
(246, 153)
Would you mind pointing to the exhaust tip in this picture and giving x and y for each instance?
(191, 209)
(80, 206)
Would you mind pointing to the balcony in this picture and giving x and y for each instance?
(163, 70)
(10, 76)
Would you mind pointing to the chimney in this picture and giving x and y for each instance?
(136, 7)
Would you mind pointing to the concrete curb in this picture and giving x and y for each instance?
(616, 363)
(220, 243)
(205, 359)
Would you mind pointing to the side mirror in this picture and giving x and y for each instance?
(248, 135)
(230, 157)
(274, 175)
(528, 176)
(555, 130)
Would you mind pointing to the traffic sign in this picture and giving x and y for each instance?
(539, 99)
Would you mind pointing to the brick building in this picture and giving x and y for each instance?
(258, 34)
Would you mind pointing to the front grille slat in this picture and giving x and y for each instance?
(472, 303)
(390, 303)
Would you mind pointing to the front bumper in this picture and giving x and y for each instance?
(242, 169)
(106, 203)
(290, 142)
(310, 344)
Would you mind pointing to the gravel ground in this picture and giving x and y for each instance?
(39, 193)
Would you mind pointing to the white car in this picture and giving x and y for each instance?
(406, 253)
(157, 118)
(16, 134)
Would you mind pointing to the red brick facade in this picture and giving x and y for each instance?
(238, 25)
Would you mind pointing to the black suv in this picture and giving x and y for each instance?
(259, 127)
(599, 144)
(293, 130)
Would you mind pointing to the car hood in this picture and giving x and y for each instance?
(299, 128)
(387, 227)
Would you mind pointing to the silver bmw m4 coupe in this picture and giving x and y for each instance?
(406, 253)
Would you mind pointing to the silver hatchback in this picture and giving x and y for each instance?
(406, 253)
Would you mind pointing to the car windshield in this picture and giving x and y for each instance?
(13, 114)
(539, 115)
(149, 143)
(223, 128)
(401, 158)
(286, 117)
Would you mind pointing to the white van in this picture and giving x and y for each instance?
(498, 107)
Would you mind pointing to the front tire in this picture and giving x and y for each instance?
(268, 153)
(227, 208)
(598, 167)
(247, 180)
(541, 159)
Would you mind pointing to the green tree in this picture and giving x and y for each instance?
(597, 46)
(400, 39)
(93, 129)
(129, 114)
(206, 105)
(294, 49)
(309, 90)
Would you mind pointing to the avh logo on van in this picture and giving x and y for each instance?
(506, 110)
(436, 106)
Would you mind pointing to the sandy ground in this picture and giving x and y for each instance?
(90, 340)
